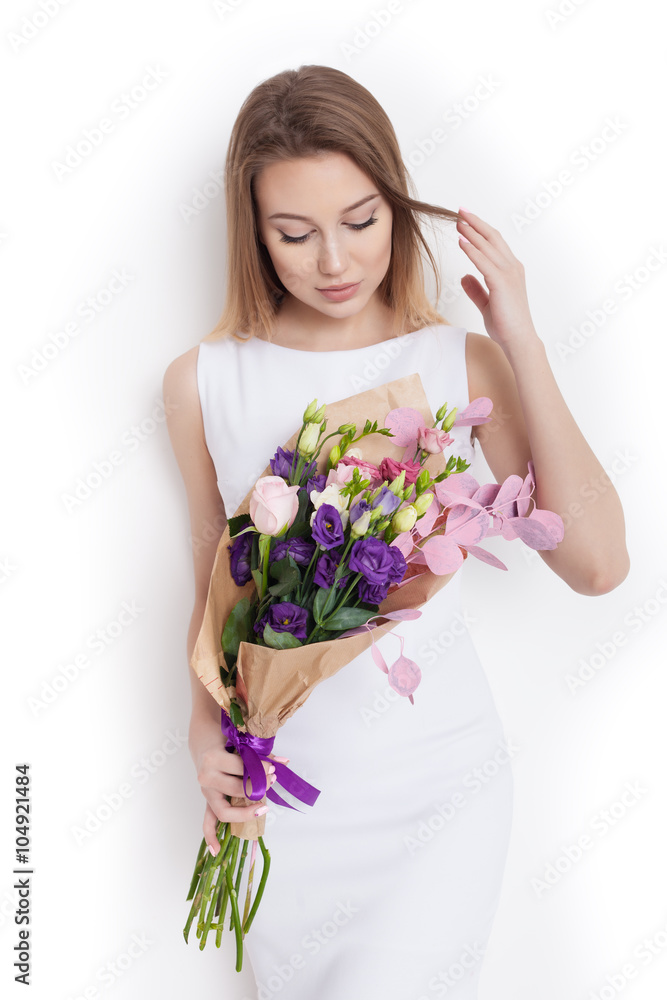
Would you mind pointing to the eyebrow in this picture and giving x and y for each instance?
(304, 218)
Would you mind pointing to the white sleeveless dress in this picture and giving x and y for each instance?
(387, 887)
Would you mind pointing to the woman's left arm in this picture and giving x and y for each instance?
(511, 367)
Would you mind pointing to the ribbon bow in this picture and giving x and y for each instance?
(253, 750)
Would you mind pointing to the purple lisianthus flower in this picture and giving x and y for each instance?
(327, 527)
(239, 558)
(284, 617)
(371, 557)
(326, 568)
(372, 593)
(281, 463)
(357, 509)
(299, 549)
(316, 483)
(386, 501)
(397, 573)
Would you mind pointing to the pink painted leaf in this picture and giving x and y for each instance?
(485, 556)
(379, 658)
(476, 412)
(459, 484)
(404, 676)
(507, 494)
(461, 513)
(541, 530)
(404, 423)
(471, 531)
(442, 555)
(523, 500)
(486, 494)
(424, 525)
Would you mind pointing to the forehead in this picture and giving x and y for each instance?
(332, 180)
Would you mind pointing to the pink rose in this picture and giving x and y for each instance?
(366, 469)
(273, 505)
(433, 440)
(341, 474)
(389, 469)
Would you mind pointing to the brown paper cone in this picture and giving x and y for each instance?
(274, 683)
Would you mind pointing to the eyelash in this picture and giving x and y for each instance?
(302, 239)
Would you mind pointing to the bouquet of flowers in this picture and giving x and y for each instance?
(333, 544)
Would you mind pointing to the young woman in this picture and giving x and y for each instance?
(388, 886)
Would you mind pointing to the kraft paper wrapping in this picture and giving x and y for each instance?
(274, 683)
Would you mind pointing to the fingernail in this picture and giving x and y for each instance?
(211, 851)
(272, 778)
(462, 239)
(282, 760)
(271, 769)
(462, 208)
(261, 810)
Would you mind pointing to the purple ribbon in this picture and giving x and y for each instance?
(253, 750)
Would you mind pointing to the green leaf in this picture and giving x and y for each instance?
(237, 523)
(345, 618)
(280, 640)
(236, 715)
(257, 577)
(320, 601)
(299, 527)
(282, 589)
(236, 629)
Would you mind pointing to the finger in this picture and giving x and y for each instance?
(221, 759)
(209, 827)
(229, 784)
(219, 809)
(484, 236)
(470, 237)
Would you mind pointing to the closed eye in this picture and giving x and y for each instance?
(302, 239)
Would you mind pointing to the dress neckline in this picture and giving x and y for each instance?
(349, 350)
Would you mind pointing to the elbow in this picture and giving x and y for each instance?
(602, 579)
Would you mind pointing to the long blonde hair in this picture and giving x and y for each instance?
(307, 112)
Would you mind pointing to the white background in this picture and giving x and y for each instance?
(67, 571)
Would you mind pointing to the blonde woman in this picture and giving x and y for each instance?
(388, 887)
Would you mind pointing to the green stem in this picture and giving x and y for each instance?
(210, 913)
(235, 919)
(260, 891)
(230, 868)
(248, 893)
(199, 864)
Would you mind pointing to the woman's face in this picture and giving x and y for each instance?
(324, 224)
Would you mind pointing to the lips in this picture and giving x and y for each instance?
(339, 293)
(338, 288)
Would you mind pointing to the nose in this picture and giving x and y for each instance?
(332, 257)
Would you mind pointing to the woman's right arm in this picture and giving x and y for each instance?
(218, 772)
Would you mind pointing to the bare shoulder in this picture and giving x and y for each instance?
(181, 400)
(180, 377)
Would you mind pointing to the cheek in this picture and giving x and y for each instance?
(293, 265)
(381, 252)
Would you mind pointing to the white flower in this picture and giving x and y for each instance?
(331, 495)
